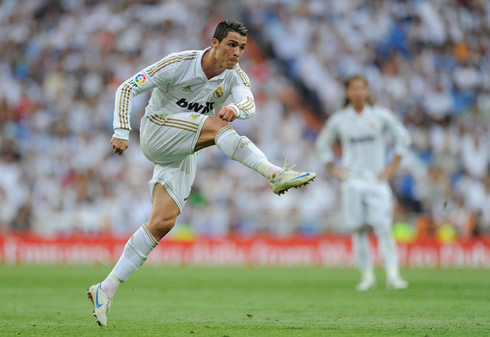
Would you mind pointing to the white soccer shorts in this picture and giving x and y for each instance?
(169, 141)
(366, 203)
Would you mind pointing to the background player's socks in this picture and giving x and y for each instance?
(388, 251)
(134, 255)
(367, 274)
(362, 252)
(393, 273)
(241, 149)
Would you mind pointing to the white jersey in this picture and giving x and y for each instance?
(362, 138)
(180, 85)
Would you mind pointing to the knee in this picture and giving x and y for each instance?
(209, 132)
(216, 123)
(159, 226)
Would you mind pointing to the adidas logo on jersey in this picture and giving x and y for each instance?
(187, 88)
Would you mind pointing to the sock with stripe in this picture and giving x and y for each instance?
(137, 249)
(244, 151)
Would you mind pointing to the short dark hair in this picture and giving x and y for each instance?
(226, 26)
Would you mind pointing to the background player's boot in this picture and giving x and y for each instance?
(396, 283)
(287, 178)
(102, 303)
(367, 282)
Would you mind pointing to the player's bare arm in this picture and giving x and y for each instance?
(336, 172)
(119, 145)
(390, 170)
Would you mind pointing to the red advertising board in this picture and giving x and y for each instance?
(258, 250)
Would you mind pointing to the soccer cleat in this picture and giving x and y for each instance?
(287, 178)
(102, 303)
(366, 284)
(397, 283)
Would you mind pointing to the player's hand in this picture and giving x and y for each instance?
(390, 170)
(227, 114)
(119, 145)
(338, 173)
(387, 173)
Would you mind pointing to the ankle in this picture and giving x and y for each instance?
(272, 172)
(268, 170)
(392, 274)
(110, 284)
(367, 274)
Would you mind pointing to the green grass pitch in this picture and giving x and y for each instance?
(205, 301)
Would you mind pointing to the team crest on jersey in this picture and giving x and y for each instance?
(140, 78)
(195, 116)
(218, 92)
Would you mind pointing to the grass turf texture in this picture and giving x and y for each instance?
(199, 301)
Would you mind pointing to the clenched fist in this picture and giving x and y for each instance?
(119, 145)
(227, 114)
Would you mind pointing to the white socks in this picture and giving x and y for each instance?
(110, 284)
(269, 170)
(386, 247)
(134, 255)
(367, 275)
(244, 151)
(388, 250)
(362, 251)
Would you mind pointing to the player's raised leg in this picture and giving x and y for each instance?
(140, 244)
(241, 149)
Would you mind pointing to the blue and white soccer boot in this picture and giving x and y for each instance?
(102, 303)
(288, 178)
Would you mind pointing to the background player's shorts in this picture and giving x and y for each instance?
(366, 203)
(169, 142)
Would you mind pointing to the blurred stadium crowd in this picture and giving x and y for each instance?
(61, 62)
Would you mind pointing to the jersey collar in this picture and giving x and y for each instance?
(365, 111)
(199, 72)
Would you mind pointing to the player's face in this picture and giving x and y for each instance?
(230, 50)
(357, 92)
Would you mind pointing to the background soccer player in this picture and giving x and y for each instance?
(366, 194)
(179, 120)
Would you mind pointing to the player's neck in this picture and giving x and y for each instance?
(358, 108)
(210, 65)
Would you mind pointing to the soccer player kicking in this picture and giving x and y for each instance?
(366, 194)
(179, 121)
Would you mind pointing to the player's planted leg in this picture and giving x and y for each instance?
(140, 244)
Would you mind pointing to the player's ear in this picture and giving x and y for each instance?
(214, 42)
